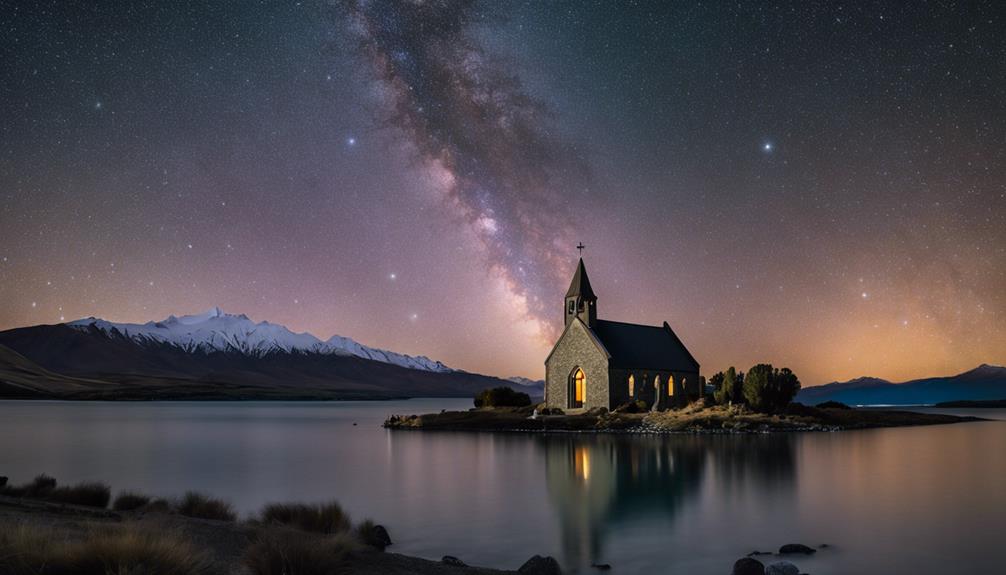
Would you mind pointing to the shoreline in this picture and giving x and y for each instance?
(691, 420)
(224, 546)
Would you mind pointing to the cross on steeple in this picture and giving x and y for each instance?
(580, 247)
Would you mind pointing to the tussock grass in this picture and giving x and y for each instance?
(286, 551)
(37, 488)
(195, 504)
(109, 550)
(130, 501)
(376, 536)
(324, 518)
(90, 493)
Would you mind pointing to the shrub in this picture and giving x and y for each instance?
(325, 518)
(729, 386)
(502, 397)
(37, 488)
(130, 501)
(195, 504)
(289, 552)
(92, 494)
(40, 486)
(374, 535)
(767, 389)
(126, 549)
(832, 405)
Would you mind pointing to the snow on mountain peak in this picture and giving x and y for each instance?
(214, 330)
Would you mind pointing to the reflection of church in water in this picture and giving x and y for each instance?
(597, 484)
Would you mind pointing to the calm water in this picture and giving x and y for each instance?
(910, 500)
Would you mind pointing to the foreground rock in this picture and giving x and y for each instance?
(795, 548)
(696, 418)
(539, 565)
(748, 566)
(782, 568)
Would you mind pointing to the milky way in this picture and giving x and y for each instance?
(472, 124)
(818, 185)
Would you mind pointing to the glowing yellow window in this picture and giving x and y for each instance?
(632, 386)
(670, 385)
(579, 386)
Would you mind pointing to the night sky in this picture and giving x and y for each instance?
(816, 185)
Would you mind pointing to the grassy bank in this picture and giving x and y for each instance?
(46, 529)
(696, 418)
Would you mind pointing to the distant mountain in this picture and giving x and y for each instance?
(533, 386)
(985, 382)
(214, 356)
(215, 330)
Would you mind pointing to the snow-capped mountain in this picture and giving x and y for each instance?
(215, 330)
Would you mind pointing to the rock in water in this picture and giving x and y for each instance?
(791, 548)
(748, 566)
(453, 561)
(539, 565)
(376, 536)
(601, 566)
(781, 568)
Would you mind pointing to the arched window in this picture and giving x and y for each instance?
(579, 388)
(670, 385)
(632, 386)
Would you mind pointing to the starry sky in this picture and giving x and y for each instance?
(820, 185)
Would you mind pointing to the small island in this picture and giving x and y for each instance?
(502, 409)
(696, 418)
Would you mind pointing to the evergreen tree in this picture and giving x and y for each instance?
(768, 389)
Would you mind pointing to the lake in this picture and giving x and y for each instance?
(907, 500)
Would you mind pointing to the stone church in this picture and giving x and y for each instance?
(600, 363)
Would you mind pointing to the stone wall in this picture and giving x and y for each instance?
(576, 348)
(686, 387)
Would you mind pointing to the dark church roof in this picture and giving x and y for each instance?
(580, 286)
(634, 346)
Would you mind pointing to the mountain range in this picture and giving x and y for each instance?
(215, 355)
(985, 382)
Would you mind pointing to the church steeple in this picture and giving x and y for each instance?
(580, 299)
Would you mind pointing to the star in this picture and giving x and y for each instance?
(392, 276)
(767, 147)
(351, 141)
(414, 317)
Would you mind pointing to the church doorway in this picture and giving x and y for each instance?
(578, 388)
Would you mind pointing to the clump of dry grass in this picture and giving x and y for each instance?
(130, 501)
(195, 504)
(324, 518)
(90, 493)
(376, 536)
(285, 551)
(37, 488)
(109, 550)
